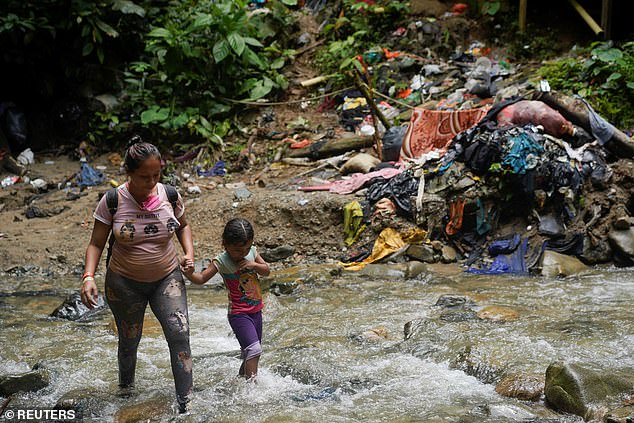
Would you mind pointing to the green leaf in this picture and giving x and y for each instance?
(160, 33)
(236, 42)
(278, 63)
(607, 55)
(261, 89)
(154, 114)
(110, 31)
(614, 77)
(252, 42)
(281, 81)
(201, 21)
(87, 49)
(180, 120)
(221, 50)
(290, 2)
(128, 7)
(100, 54)
(630, 85)
(252, 58)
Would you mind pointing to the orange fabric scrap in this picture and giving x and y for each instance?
(391, 54)
(301, 144)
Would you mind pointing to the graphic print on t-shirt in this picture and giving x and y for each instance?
(127, 231)
(250, 288)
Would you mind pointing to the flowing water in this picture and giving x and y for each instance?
(317, 364)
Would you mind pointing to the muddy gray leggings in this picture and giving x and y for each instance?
(168, 299)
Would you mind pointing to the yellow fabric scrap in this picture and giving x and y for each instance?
(352, 222)
(387, 242)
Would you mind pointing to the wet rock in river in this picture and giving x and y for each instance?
(579, 390)
(453, 301)
(622, 243)
(556, 264)
(85, 402)
(521, 386)
(471, 361)
(73, 309)
(377, 334)
(448, 254)
(150, 410)
(422, 252)
(498, 314)
(31, 381)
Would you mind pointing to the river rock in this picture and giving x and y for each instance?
(85, 402)
(572, 388)
(31, 381)
(521, 386)
(422, 252)
(556, 264)
(474, 364)
(622, 242)
(620, 415)
(498, 314)
(596, 252)
(73, 309)
(408, 270)
(272, 255)
(377, 334)
(449, 300)
(448, 254)
(145, 411)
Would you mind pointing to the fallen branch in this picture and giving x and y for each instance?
(322, 149)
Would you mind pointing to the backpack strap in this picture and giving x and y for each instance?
(112, 201)
(172, 195)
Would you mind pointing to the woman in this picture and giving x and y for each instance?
(144, 267)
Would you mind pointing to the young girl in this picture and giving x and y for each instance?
(239, 265)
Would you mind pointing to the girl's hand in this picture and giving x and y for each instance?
(89, 293)
(246, 264)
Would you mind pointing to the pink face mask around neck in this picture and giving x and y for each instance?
(152, 203)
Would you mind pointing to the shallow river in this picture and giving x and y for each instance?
(318, 367)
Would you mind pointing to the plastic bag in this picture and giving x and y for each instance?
(392, 141)
(15, 128)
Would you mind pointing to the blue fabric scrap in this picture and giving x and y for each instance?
(513, 263)
(217, 170)
(88, 176)
(504, 246)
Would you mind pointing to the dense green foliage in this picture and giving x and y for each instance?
(360, 27)
(603, 75)
(179, 67)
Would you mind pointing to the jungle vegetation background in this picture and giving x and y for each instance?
(181, 71)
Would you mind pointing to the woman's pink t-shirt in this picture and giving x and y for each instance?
(144, 250)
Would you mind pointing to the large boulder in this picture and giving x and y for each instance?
(622, 243)
(575, 389)
(556, 264)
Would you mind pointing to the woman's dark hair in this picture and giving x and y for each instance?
(137, 152)
(237, 231)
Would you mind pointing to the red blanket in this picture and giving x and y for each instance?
(434, 129)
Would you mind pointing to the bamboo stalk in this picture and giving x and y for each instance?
(586, 17)
(522, 18)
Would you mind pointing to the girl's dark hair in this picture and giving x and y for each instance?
(138, 151)
(237, 231)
